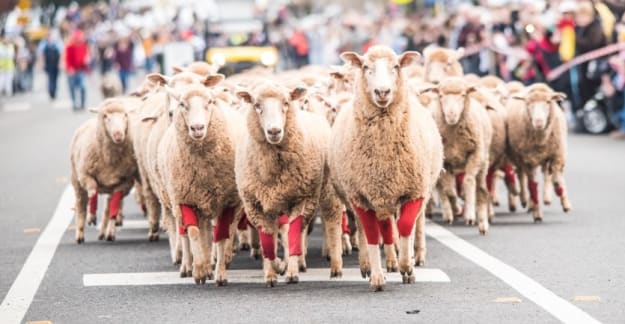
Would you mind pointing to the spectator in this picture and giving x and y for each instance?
(123, 61)
(299, 42)
(589, 36)
(470, 37)
(614, 89)
(49, 53)
(7, 65)
(76, 65)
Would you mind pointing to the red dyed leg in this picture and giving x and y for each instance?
(559, 190)
(295, 236)
(533, 188)
(490, 180)
(344, 225)
(144, 208)
(182, 230)
(283, 220)
(93, 204)
(189, 218)
(221, 231)
(510, 175)
(407, 216)
(114, 203)
(370, 225)
(243, 223)
(459, 182)
(386, 228)
(266, 241)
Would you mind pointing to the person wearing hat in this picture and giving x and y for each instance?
(76, 65)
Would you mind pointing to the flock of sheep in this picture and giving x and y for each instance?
(371, 147)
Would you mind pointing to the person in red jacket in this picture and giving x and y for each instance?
(76, 64)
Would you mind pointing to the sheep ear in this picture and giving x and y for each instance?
(94, 110)
(519, 96)
(148, 118)
(137, 93)
(426, 89)
(177, 69)
(297, 93)
(336, 75)
(353, 58)
(213, 80)
(172, 93)
(246, 96)
(408, 58)
(558, 96)
(471, 89)
(157, 78)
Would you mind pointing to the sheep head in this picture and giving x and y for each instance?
(272, 104)
(539, 102)
(195, 104)
(114, 117)
(441, 63)
(380, 73)
(453, 97)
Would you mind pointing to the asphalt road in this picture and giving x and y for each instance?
(577, 256)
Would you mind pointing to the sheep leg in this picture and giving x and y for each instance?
(221, 235)
(371, 228)
(445, 186)
(93, 208)
(186, 264)
(302, 258)
(199, 240)
(363, 253)
(560, 188)
(244, 233)
(534, 206)
(325, 248)
(353, 228)
(255, 244)
(523, 185)
(172, 234)
(80, 208)
(272, 266)
(483, 202)
(469, 188)
(294, 248)
(345, 236)
(153, 211)
(408, 214)
(332, 229)
(547, 186)
(419, 241)
(105, 223)
(386, 229)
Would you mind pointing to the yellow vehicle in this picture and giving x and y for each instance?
(238, 58)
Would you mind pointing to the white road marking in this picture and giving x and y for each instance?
(254, 276)
(20, 296)
(16, 106)
(62, 104)
(131, 224)
(526, 286)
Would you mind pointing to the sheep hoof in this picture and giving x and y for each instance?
(428, 215)
(377, 282)
(482, 231)
(419, 263)
(110, 238)
(255, 253)
(336, 274)
(119, 222)
(538, 220)
(80, 240)
(392, 269)
(302, 268)
(244, 247)
(547, 202)
(91, 220)
(524, 204)
(186, 274)
(408, 279)
(222, 282)
(177, 262)
(365, 273)
(292, 280)
(100, 237)
(153, 237)
(512, 208)
(271, 283)
(470, 222)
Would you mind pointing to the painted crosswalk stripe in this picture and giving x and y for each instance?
(247, 276)
(526, 286)
(62, 105)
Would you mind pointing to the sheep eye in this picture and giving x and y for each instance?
(365, 68)
(396, 67)
(258, 108)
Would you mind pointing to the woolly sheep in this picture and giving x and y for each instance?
(102, 161)
(281, 171)
(387, 155)
(537, 137)
(441, 63)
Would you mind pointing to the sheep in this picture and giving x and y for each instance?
(102, 161)
(197, 152)
(157, 117)
(386, 155)
(111, 85)
(342, 80)
(466, 129)
(281, 173)
(441, 63)
(537, 138)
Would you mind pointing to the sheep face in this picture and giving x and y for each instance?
(539, 105)
(272, 106)
(442, 63)
(116, 124)
(380, 71)
(452, 97)
(196, 111)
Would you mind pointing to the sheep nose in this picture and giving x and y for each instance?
(382, 93)
(274, 131)
(197, 127)
(118, 135)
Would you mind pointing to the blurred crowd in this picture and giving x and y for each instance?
(521, 40)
